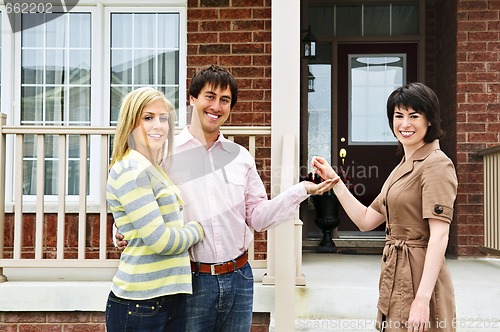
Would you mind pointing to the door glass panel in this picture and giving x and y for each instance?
(372, 79)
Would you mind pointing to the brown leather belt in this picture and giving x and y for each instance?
(220, 268)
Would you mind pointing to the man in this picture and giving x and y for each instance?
(222, 190)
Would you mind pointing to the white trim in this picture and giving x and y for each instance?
(182, 67)
(7, 96)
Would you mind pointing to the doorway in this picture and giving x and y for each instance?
(364, 50)
(364, 148)
(347, 123)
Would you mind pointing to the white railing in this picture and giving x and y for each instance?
(491, 166)
(86, 134)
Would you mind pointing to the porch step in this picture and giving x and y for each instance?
(350, 244)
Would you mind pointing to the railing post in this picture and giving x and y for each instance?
(491, 186)
(3, 121)
(284, 248)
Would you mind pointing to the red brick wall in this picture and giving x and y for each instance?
(478, 109)
(79, 322)
(50, 231)
(236, 34)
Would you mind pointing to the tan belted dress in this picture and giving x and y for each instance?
(422, 187)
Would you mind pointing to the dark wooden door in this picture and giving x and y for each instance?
(367, 74)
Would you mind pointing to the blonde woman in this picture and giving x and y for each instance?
(154, 275)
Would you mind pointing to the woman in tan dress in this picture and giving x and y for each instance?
(416, 202)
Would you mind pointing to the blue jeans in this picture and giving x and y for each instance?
(221, 303)
(160, 314)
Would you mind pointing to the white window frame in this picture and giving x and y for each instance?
(100, 93)
(182, 52)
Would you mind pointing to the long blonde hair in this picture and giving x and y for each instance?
(130, 114)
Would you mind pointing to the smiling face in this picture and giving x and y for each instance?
(152, 130)
(410, 128)
(211, 109)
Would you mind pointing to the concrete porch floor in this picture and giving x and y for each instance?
(341, 293)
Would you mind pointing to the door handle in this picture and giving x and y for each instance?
(342, 154)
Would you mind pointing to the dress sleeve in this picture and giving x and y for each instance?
(439, 189)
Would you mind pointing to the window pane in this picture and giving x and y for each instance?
(55, 67)
(121, 67)
(33, 37)
(79, 67)
(373, 78)
(168, 31)
(31, 105)
(171, 93)
(56, 30)
(322, 21)
(32, 66)
(348, 20)
(54, 105)
(405, 20)
(168, 68)
(79, 32)
(377, 20)
(79, 106)
(117, 94)
(120, 34)
(144, 68)
(144, 25)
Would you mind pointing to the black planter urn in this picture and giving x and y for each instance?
(327, 219)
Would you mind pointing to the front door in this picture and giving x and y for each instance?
(364, 147)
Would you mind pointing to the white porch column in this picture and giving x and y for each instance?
(285, 117)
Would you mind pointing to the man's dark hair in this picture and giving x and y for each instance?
(215, 76)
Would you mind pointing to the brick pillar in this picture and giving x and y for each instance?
(478, 109)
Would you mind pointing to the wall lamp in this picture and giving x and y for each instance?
(310, 80)
(309, 41)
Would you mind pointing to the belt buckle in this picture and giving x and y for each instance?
(212, 268)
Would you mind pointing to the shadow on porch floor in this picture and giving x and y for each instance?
(341, 293)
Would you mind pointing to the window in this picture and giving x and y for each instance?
(372, 79)
(72, 69)
(386, 19)
(55, 89)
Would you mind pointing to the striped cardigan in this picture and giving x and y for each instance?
(147, 210)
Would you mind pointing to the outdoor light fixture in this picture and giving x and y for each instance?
(309, 45)
(310, 80)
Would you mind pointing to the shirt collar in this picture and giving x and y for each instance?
(185, 136)
(424, 151)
